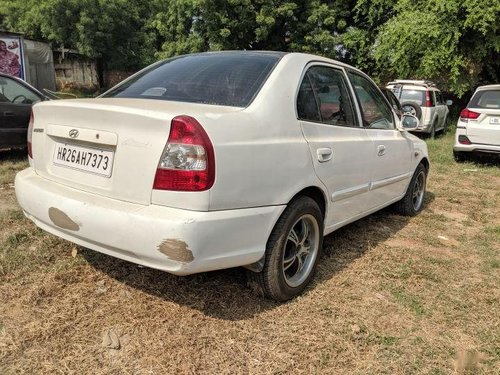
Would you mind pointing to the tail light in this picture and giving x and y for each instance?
(464, 140)
(188, 160)
(428, 99)
(467, 114)
(30, 135)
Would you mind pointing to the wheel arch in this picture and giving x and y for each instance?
(316, 194)
(425, 162)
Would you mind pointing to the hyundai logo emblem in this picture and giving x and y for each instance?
(73, 133)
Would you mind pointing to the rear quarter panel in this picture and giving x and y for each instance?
(261, 155)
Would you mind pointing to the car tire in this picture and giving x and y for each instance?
(413, 201)
(459, 157)
(412, 108)
(445, 125)
(432, 133)
(292, 251)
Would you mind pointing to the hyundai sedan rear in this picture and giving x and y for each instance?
(218, 160)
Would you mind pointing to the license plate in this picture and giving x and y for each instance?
(86, 159)
(495, 120)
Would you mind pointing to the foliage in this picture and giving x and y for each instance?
(454, 42)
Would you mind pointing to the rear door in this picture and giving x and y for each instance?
(15, 107)
(486, 128)
(440, 108)
(391, 154)
(340, 148)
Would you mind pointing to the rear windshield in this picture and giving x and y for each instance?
(229, 79)
(486, 99)
(412, 95)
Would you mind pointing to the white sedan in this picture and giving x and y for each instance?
(218, 160)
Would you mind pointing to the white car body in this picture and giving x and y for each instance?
(478, 127)
(264, 157)
(434, 114)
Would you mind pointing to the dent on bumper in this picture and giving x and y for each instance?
(173, 240)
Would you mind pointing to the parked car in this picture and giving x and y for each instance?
(478, 128)
(423, 100)
(16, 99)
(224, 159)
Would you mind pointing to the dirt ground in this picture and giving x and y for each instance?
(393, 295)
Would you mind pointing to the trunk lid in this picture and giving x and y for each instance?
(109, 147)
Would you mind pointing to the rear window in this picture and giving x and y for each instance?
(229, 79)
(412, 95)
(486, 99)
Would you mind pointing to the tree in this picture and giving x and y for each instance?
(111, 29)
(452, 42)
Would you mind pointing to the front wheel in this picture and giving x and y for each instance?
(413, 201)
(292, 251)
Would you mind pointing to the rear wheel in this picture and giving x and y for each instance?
(413, 201)
(292, 251)
(433, 130)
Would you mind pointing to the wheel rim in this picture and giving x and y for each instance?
(418, 191)
(410, 109)
(301, 250)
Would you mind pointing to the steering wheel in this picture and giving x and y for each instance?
(23, 98)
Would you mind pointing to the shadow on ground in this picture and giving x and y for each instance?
(225, 294)
(13, 155)
(484, 159)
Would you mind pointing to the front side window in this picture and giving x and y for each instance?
(376, 112)
(14, 92)
(323, 97)
(229, 79)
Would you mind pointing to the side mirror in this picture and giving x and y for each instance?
(409, 122)
(449, 102)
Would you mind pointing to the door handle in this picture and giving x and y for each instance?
(381, 150)
(8, 114)
(324, 154)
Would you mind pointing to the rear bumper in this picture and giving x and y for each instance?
(474, 147)
(178, 241)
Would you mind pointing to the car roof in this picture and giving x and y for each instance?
(488, 87)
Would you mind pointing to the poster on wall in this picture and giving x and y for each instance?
(12, 56)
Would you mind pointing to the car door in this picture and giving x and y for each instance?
(340, 148)
(391, 155)
(440, 108)
(15, 108)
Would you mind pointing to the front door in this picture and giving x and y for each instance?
(15, 107)
(392, 149)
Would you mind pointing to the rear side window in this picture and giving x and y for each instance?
(323, 97)
(485, 99)
(229, 79)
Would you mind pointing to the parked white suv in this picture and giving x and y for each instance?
(218, 160)
(423, 100)
(478, 128)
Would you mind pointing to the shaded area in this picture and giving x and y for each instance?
(225, 294)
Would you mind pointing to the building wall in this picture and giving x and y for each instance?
(75, 71)
(113, 77)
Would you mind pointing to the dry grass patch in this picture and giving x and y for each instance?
(392, 296)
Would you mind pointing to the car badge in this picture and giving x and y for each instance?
(73, 133)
